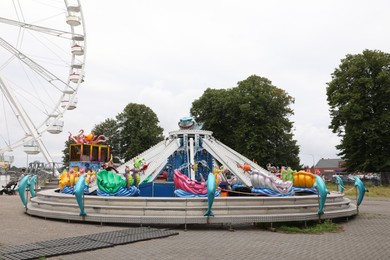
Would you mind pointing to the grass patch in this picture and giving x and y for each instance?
(310, 227)
(373, 191)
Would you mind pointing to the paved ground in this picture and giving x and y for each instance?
(367, 236)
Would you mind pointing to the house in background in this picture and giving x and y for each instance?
(330, 167)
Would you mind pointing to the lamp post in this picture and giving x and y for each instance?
(312, 156)
(313, 160)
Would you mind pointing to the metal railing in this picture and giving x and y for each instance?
(45, 172)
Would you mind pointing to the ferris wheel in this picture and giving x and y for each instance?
(42, 61)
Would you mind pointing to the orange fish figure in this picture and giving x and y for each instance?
(246, 167)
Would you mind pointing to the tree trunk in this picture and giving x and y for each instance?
(385, 176)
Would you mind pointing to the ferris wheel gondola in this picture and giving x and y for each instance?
(42, 63)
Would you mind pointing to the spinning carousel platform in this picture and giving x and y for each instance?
(177, 210)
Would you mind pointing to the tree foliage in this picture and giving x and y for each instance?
(359, 100)
(138, 130)
(109, 128)
(65, 152)
(252, 118)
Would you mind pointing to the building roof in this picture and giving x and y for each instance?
(329, 163)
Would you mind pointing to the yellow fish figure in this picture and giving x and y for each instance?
(304, 179)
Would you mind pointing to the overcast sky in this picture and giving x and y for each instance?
(165, 54)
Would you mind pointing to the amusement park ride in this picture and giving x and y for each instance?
(190, 177)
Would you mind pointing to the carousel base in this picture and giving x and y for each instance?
(175, 210)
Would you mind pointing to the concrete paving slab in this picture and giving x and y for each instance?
(366, 236)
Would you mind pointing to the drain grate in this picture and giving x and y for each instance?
(82, 243)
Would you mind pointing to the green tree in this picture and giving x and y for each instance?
(138, 130)
(359, 100)
(213, 109)
(65, 152)
(253, 119)
(109, 128)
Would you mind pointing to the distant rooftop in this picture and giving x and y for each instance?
(330, 163)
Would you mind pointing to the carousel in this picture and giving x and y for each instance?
(188, 178)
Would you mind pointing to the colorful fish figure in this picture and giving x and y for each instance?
(211, 188)
(79, 193)
(322, 191)
(304, 179)
(109, 182)
(246, 167)
(31, 185)
(22, 189)
(362, 190)
(340, 184)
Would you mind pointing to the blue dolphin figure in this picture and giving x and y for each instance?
(211, 188)
(22, 189)
(79, 193)
(340, 183)
(323, 192)
(360, 186)
(31, 185)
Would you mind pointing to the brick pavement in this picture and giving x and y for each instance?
(367, 236)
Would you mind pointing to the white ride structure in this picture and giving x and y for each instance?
(42, 62)
(158, 156)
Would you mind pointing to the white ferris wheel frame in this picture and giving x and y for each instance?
(69, 88)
